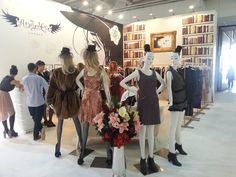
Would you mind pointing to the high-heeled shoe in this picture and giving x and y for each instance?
(81, 158)
(7, 133)
(179, 148)
(57, 151)
(13, 133)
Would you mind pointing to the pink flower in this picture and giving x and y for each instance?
(123, 127)
(101, 126)
(113, 118)
(136, 123)
(98, 118)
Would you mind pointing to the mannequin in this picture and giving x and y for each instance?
(91, 104)
(147, 83)
(177, 106)
(62, 95)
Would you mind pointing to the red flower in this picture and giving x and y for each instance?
(106, 137)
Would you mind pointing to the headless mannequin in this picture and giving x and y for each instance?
(148, 60)
(176, 117)
(92, 72)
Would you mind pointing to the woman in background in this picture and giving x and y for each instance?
(7, 84)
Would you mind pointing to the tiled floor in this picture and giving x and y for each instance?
(211, 147)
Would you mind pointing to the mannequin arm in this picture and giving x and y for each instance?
(123, 84)
(80, 85)
(159, 78)
(106, 85)
(169, 80)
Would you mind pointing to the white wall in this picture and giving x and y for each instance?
(19, 45)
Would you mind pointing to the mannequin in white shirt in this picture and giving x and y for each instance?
(148, 60)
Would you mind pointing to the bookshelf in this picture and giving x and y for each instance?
(134, 40)
(198, 36)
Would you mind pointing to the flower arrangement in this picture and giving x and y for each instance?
(117, 128)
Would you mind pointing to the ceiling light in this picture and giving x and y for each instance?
(171, 10)
(120, 16)
(150, 14)
(191, 7)
(85, 3)
(134, 17)
(98, 8)
(109, 12)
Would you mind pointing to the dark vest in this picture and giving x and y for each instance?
(178, 91)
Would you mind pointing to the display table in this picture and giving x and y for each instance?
(24, 122)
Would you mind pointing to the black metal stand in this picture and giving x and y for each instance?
(76, 152)
(100, 162)
(148, 171)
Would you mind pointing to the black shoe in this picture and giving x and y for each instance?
(38, 137)
(81, 157)
(13, 133)
(7, 133)
(143, 166)
(57, 151)
(180, 149)
(50, 124)
(152, 165)
(172, 158)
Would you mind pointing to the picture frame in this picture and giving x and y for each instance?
(163, 42)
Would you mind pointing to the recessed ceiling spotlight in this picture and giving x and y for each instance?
(150, 14)
(134, 17)
(171, 10)
(120, 16)
(191, 7)
(109, 12)
(85, 3)
(98, 8)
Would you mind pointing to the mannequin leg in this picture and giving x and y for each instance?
(12, 122)
(172, 129)
(142, 138)
(84, 138)
(150, 161)
(109, 153)
(78, 129)
(173, 120)
(178, 145)
(59, 133)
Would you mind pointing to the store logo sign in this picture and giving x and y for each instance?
(30, 24)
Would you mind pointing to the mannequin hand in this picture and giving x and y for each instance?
(51, 106)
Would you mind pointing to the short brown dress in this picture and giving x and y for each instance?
(91, 104)
(63, 95)
(148, 102)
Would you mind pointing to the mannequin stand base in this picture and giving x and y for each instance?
(76, 152)
(163, 153)
(100, 162)
(148, 171)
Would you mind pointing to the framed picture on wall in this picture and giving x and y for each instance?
(163, 42)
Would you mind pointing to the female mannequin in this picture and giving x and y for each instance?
(148, 107)
(177, 106)
(91, 105)
(62, 95)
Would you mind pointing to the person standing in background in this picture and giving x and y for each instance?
(33, 85)
(230, 76)
(46, 75)
(7, 84)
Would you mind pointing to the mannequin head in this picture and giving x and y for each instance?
(147, 48)
(67, 61)
(148, 60)
(175, 59)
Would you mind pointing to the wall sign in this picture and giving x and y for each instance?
(33, 26)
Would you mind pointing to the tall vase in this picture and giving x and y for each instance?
(118, 164)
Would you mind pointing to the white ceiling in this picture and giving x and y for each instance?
(158, 8)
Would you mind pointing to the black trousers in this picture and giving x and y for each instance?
(37, 115)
